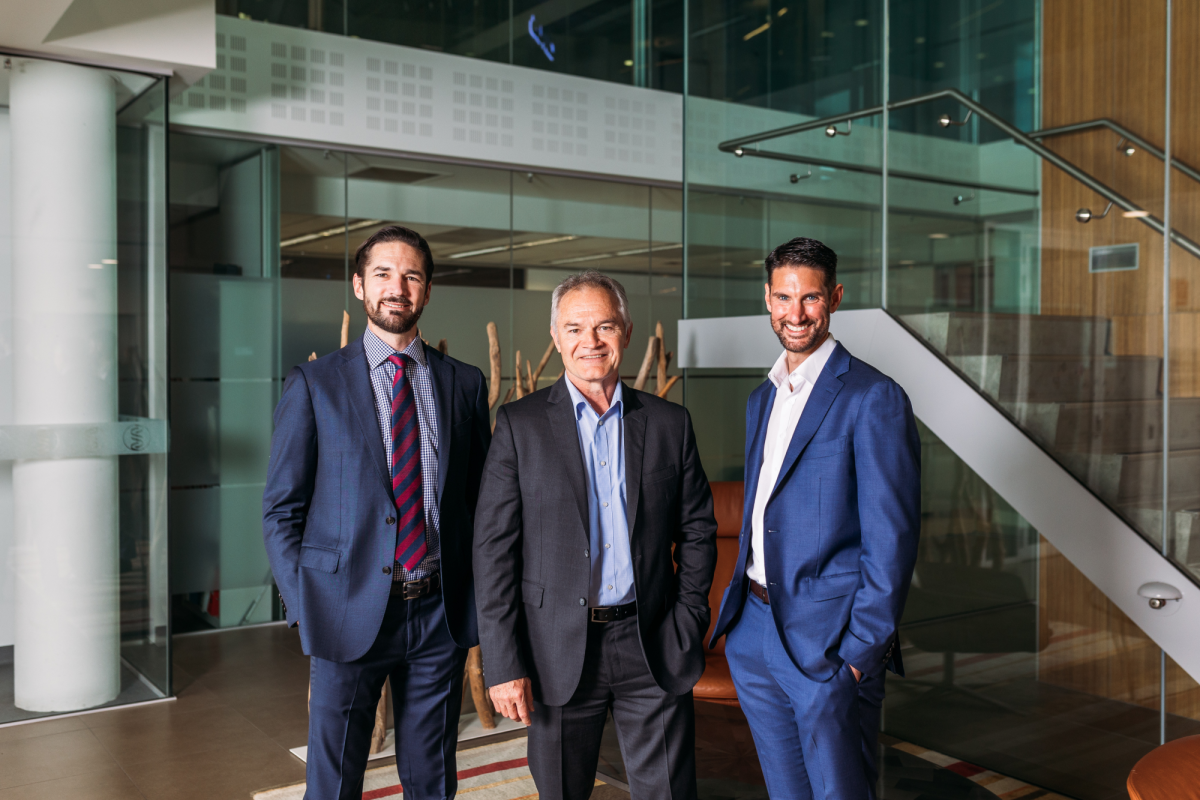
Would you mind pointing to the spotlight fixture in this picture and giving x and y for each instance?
(945, 120)
(833, 131)
(1085, 215)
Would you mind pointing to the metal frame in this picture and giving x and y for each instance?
(1133, 138)
(739, 147)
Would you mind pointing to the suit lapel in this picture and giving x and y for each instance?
(761, 415)
(443, 394)
(561, 413)
(633, 423)
(819, 400)
(357, 378)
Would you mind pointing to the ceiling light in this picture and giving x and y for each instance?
(862, 23)
(325, 234)
(618, 253)
(756, 31)
(782, 11)
(939, 236)
(629, 62)
(504, 248)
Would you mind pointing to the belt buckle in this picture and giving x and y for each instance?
(417, 587)
(600, 614)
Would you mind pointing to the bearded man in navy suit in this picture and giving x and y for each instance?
(828, 544)
(368, 515)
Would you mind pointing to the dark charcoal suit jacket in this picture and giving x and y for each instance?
(328, 500)
(531, 559)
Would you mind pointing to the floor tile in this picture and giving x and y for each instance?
(136, 740)
(58, 755)
(227, 773)
(33, 730)
(105, 784)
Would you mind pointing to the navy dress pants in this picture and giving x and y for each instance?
(415, 649)
(816, 740)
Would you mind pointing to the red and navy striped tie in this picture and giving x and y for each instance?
(406, 469)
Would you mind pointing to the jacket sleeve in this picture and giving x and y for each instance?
(481, 440)
(887, 462)
(696, 537)
(497, 558)
(291, 472)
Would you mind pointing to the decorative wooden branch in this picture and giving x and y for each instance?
(443, 347)
(494, 360)
(542, 364)
(520, 390)
(647, 363)
(530, 386)
(483, 704)
(660, 380)
(663, 392)
(312, 356)
(345, 328)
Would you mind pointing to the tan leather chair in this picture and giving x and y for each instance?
(716, 686)
(1170, 772)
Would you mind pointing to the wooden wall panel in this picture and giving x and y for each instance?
(1094, 648)
(1106, 58)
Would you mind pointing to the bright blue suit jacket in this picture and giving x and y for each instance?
(328, 498)
(841, 527)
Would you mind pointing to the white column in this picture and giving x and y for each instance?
(63, 120)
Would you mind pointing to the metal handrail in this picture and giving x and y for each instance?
(1088, 180)
(1122, 131)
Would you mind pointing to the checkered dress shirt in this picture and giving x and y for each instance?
(417, 372)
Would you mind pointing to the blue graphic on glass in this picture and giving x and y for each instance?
(536, 34)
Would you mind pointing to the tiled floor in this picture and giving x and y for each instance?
(241, 705)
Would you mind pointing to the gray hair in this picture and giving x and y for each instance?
(595, 280)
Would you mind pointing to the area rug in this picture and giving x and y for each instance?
(1002, 786)
(492, 772)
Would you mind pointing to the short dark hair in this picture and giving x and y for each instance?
(394, 233)
(803, 252)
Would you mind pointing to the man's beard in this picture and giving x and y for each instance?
(815, 336)
(393, 321)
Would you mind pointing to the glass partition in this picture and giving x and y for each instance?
(83, 407)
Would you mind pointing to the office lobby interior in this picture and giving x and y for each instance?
(1012, 188)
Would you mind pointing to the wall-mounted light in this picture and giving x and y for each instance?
(1085, 215)
(833, 131)
(945, 120)
(1162, 596)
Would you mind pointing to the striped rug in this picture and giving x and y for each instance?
(1002, 786)
(492, 772)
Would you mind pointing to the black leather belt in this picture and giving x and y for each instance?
(614, 613)
(759, 591)
(411, 590)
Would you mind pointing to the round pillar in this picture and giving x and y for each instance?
(64, 183)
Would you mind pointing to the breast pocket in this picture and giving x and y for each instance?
(659, 475)
(826, 448)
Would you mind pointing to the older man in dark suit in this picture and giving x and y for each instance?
(594, 552)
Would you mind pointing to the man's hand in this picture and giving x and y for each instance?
(857, 674)
(514, 699)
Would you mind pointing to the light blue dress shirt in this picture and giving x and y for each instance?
(601, 440)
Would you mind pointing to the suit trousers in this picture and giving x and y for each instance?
(815, 740)
(656, 730)
(414, 648)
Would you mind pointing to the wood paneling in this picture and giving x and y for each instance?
(1094, 648)
(1106, 58)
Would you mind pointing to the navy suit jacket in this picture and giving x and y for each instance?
(328, 498)
(840, 529)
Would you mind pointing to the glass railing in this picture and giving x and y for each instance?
(1046, 303)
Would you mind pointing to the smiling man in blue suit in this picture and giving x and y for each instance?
(828, 544)
(368, 516)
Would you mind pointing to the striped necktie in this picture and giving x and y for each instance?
(406, 469)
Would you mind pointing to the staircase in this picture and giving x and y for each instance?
(1098, 414)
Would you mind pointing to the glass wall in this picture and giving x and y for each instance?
(262, 242)
(1010, 261)
(83, 407)
(638, 42)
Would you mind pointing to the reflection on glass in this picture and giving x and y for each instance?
(83, 439)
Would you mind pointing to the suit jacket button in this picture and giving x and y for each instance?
(585, 553)
(390, 521)
(582, 602)
(387, 570)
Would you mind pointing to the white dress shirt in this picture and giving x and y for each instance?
(791, 395)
